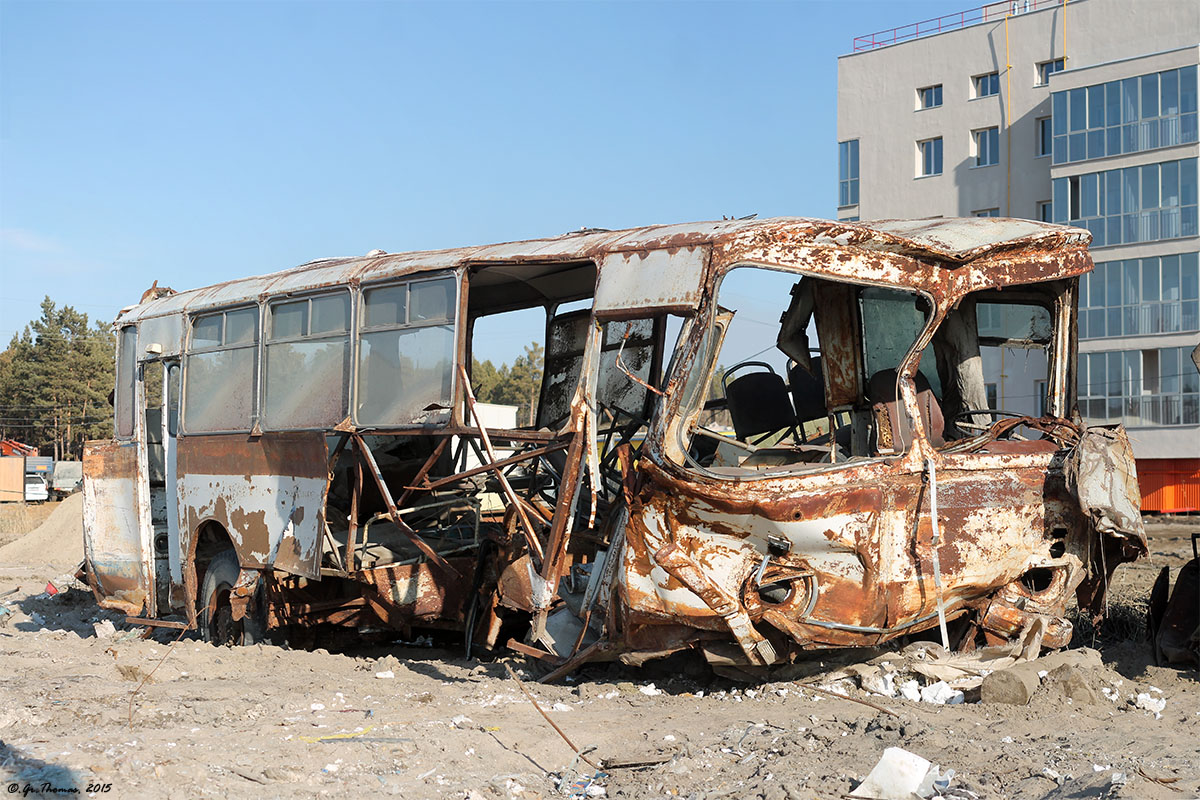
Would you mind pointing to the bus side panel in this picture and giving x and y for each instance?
(112, 526)
(267, 492)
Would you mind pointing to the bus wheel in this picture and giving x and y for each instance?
(216, 614)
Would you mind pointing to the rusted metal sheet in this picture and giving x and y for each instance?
(632, 282)
(112, 521)
(266, 492)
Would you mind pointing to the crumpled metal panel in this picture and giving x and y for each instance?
(854, 544)
(1103, 471)
(967, 238)
(112, 526)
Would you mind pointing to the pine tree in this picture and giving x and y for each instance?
(54, 382)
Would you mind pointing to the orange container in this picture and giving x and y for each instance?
(1169, 485)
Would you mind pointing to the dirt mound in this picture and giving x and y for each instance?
(58, 540)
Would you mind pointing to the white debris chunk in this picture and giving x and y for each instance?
(1146, 702)
(941, 693)
(901, 775)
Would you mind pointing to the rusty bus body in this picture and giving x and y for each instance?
(302, 451)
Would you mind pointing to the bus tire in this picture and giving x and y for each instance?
(217, 625)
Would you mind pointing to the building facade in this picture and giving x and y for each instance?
(1082, 113)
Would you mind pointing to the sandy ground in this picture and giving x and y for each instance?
(424, 722)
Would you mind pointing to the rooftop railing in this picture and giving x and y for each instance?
(992, 12)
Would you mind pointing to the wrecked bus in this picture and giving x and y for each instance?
(302, 453)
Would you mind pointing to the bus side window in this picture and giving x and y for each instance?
(126, 376)
(307, 357)
(406, 353)
(220, 369)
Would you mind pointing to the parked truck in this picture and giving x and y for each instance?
(67, 479)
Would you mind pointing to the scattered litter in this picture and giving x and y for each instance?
(335, 737)
(911, 690)
(460, 720)
(387, 673)
(650, 690)
(317, 706)
(104, 629)
(900, 774)
(561, 707)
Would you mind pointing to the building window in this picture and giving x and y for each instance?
(1135, 204)
(930, 152)
(986, 212)
(1042, 390)
(1140, 297)
(987, 147)
(1045, 136)
(1045, 211)
(993, 395)
(1140, 387)
(986, 85)
(1047, 68)
(1126, 116)
(848, 173)
(929, 96)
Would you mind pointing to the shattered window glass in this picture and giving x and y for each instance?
(1014, 323)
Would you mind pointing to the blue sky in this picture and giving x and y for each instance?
(193, 142)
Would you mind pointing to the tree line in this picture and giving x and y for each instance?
(55, 379)
(517, 385)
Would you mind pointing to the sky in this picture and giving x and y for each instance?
(195, 142)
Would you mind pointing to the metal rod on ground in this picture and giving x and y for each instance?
(934, 541)
(546, 717)
(827, 693)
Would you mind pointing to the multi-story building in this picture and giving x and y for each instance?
(1082, 112)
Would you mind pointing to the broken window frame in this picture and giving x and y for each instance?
(695, 366)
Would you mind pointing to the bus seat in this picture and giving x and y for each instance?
(758, 402)
(808, 391)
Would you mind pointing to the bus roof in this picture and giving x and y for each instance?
(948, 242)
